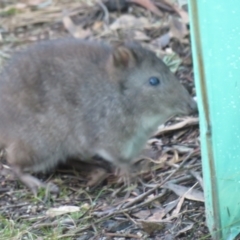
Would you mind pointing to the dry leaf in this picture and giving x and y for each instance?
(129, 21)
(19, 6)
(179, 206)
(170, 206)
(183, 14)
(189, 121)
(53, 212)
(50, 14)
(164, 5)
(178, 28)
(39, 3)
(157, 216)
(198, 177)
(187, 228)
(175, 159)
(182, 149)
(97, 26)
(143, 214)
(163, 41)
(191, 194)
(148, 4)
(140, 36)
(182, 2)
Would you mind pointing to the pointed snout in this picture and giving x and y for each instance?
(187, 105)
(193, 108)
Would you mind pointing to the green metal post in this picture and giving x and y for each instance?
(215, 35)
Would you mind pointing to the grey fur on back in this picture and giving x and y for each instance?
(67, 98)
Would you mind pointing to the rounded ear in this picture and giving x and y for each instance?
(123, 57)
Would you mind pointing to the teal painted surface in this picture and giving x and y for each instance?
(215, 34)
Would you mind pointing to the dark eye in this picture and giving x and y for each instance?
(154, 81)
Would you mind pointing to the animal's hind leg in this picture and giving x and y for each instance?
(19, 156)
(31, 182)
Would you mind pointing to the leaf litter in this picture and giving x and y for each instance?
(163, 199)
